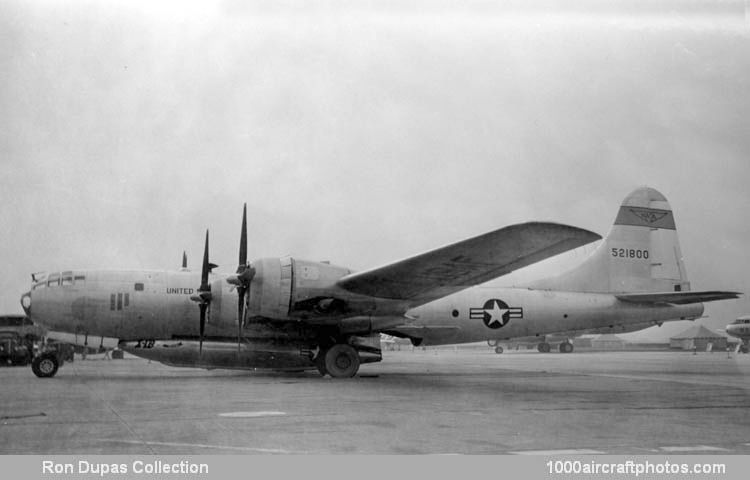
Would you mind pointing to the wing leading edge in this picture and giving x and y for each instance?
(678, 298)
(440, 272)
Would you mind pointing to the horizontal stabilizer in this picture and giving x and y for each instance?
(435, 274)
(678, 298)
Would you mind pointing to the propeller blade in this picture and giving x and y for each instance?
(205, 269)
(243, 241)
(202, 307)
(241, 310)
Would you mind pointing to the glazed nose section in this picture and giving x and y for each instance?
(26, 303)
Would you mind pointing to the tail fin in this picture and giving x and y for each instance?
(641, 253)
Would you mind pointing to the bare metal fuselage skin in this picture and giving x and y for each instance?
(536, 313)
(153, 316)
(740, 328)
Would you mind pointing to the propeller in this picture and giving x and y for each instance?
(245, 274)
(203, 294)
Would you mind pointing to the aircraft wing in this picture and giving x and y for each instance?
(435, 274)
(676, 297)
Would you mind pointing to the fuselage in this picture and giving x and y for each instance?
(156, 305)
(740, 328)
(485, 312)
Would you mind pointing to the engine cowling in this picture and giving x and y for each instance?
(271, 288)
(288, 288)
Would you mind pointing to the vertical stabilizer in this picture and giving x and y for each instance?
(641, 253)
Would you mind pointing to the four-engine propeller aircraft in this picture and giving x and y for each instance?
(740, 328)
(293, 314)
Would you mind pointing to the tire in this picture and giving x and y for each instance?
(498, 349)
(45, 365)
(566, 347)
(342, 361)
(543, 347)
(320, 363)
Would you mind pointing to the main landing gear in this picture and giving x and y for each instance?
(565, 347)
(339, 361)
(496, 344)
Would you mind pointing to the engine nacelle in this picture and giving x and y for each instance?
(287, 288)
(271, 288)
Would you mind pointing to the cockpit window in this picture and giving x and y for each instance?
(67, 278)
(53, 280)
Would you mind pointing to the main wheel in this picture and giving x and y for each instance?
(45, 365)
(543, 347)
(342, 361)
(566, 347)
(498, 349)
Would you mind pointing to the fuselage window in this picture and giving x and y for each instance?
(138, 287)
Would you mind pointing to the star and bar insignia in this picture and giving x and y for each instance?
(495, 313)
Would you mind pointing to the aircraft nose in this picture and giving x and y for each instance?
(26, 302)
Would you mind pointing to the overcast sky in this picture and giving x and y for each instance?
(364, 132)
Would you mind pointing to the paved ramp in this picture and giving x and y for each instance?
(421, 402)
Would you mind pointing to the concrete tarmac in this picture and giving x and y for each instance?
(421, 402)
